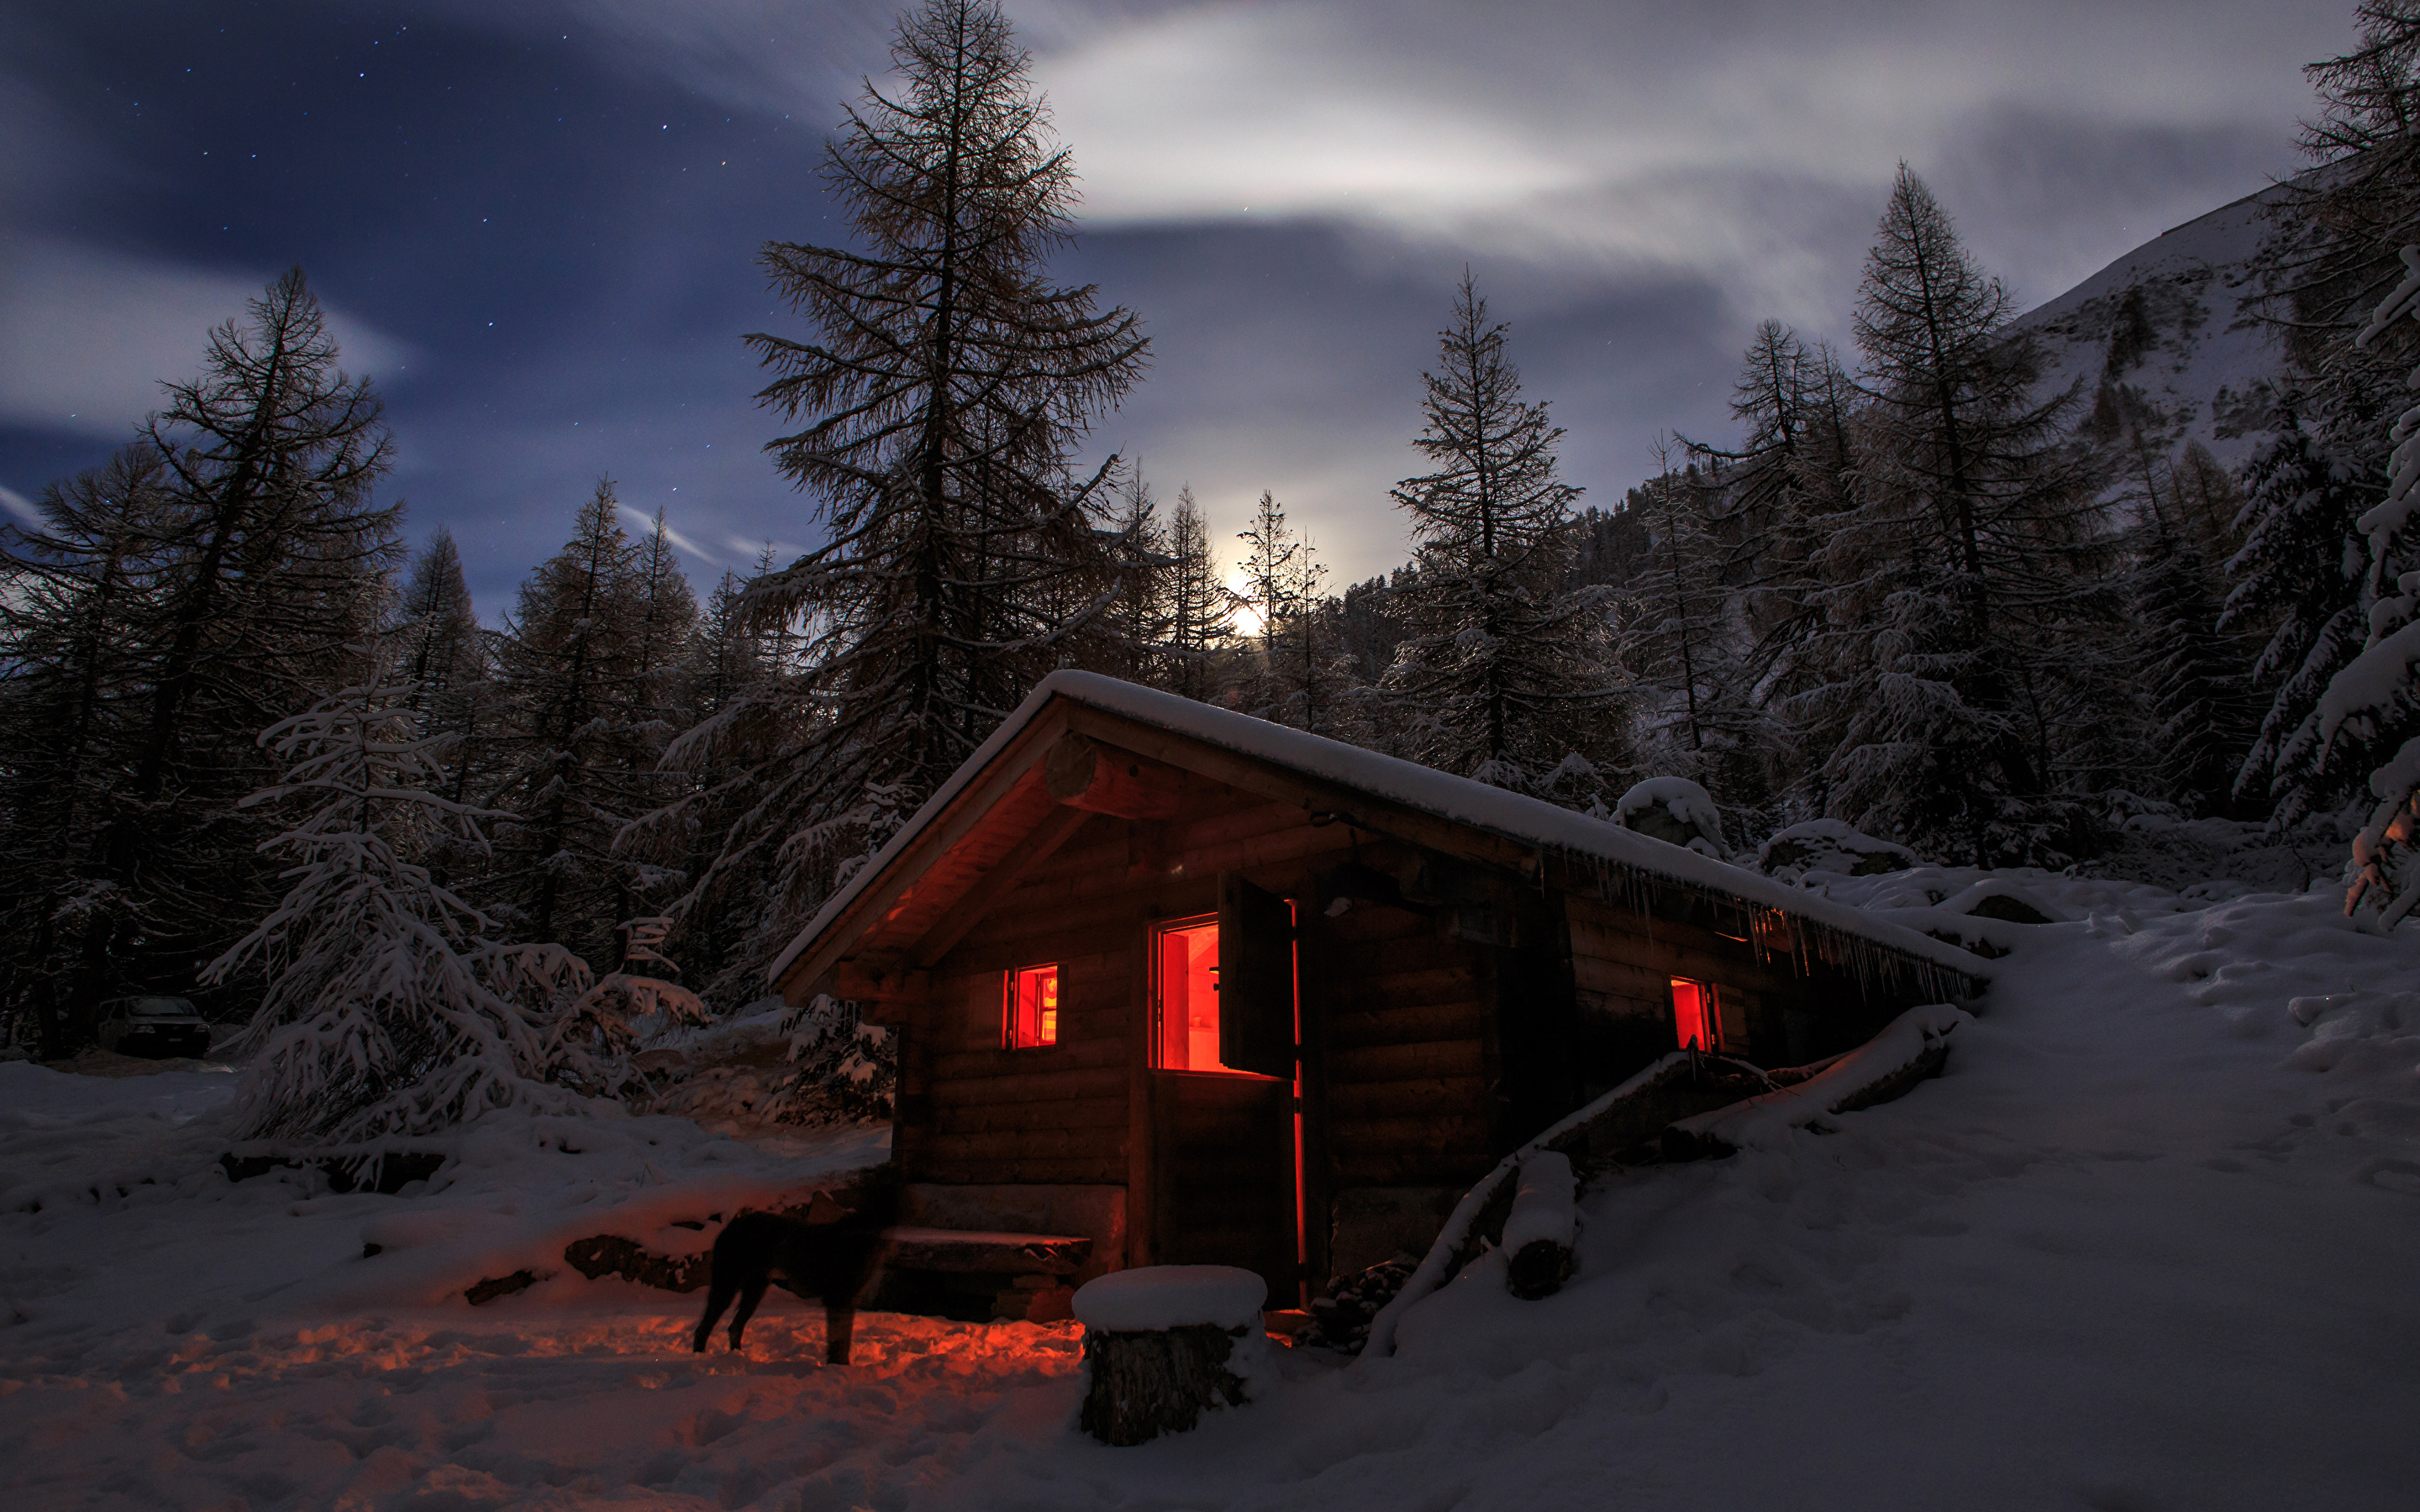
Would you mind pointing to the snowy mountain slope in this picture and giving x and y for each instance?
(2168, 319)
(2145, 1246)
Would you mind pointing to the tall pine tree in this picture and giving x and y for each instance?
(939, 401)
(1501, 676)
(240, 577)
(583, 669)
(1969, 567)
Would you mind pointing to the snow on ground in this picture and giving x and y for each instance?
(2148, 1244)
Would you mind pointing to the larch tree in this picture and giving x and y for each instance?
(1678, 644)
(1501, 676)
(1139, 623)
(938, 403)
(1278, 574)
(1199, 605)
(2199, 714)
(582, 673)
(1966, 566)
(442, 650)
(1772, 504)
(265, 562)
(1297, 672)
(75, 590)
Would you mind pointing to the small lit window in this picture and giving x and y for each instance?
(1697, 1021)
(1031, 1019)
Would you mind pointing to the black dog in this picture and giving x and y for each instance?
(830, 1261)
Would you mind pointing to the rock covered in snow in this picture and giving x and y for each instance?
(1830, 846)
(1998, 898)
(1154, 1297)
(1674, 810)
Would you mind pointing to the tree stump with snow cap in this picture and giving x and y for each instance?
(1165, 1343)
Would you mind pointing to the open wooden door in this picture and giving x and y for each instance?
(1255, 979)
(1223, 1107)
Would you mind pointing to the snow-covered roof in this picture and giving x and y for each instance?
(1495, 810)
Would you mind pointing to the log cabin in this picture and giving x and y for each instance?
(1209, 990)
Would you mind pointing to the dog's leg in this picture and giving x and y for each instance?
(848, 1265)
(840, 1324)
(750, 1295)
(718, 1297)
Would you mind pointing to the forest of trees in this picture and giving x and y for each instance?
(1916, 590)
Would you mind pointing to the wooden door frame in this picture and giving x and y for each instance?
(1150, 1213)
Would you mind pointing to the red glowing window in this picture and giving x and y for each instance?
(1184, 1007)
(1031, 1018)
(1697, 1020)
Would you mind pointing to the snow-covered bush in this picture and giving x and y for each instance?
(2374, 696)
(1828, 845)
(1674, 810)
(845, 1067)
(387, 1011)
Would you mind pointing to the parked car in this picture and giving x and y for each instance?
(156, 1028)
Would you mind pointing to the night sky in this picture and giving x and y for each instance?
(536, 224)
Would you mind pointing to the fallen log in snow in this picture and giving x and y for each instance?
(1541, 1229)
(1680, 1083)
(1912, 1048)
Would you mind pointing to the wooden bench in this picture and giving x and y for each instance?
(956, 1272)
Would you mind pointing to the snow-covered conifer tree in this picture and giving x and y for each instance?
(1503, 675)
(388, 1010)
(2373, 701)
(1969, 569)
(585, 669)
(941, 395)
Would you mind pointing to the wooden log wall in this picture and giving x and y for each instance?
(1412, 1079)
(1622, 963)
(1062, 1113)
(1409, 1050)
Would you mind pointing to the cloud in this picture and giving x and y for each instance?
(645, 523)
(19, 505)
(779, 58)
(87, 334)
(1591, 138)
(1637, 137)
